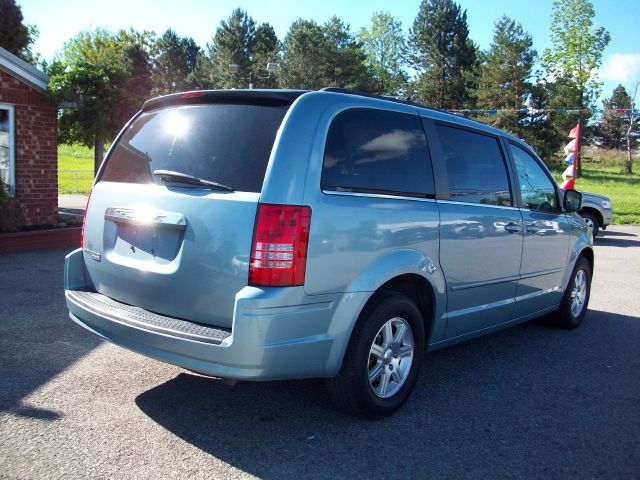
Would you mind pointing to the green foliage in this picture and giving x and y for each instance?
(175, 61)
(323, 56)
(15, 36)
(443, 55)
(3, 194)
(95, 93)
(101, 80)
(344, 59)
(612, 128)
(577, 50)
(384, 47)
(265, 48)
(538, 127)
(505, 72)
(305, 49)
(607, 176)
(505, 83)
(238, 41)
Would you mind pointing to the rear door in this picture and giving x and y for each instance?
(480, 228)
(164, 243)
(546, 236)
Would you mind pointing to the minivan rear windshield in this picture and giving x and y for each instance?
(229, 144)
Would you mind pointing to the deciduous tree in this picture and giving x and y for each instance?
(573, 61)
(100, 79)
(384, 47)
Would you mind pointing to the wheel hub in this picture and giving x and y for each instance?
(390, 357)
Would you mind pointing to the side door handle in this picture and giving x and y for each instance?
(512, 227)
(532, 228)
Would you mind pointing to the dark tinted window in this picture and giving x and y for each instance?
(377, 151)
(536, 188)
(224, 143)
(475, 167)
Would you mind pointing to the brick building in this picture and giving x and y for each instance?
(28, 145)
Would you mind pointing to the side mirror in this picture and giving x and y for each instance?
(572, 201)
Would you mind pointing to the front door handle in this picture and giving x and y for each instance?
(532, 228)
(512, 227)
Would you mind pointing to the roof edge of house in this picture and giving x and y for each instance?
(23, 71)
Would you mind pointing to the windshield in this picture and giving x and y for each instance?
(224, 143)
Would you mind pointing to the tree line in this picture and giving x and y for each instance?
(102, 77)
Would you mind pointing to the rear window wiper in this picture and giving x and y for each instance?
(178, 177)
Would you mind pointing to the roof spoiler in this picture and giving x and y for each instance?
(248, 97)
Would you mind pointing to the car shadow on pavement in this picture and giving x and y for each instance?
(37, 338)
(611, 238)
(528, 401)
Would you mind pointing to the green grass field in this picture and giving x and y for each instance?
(606, 176)
(74, 157)
(601, 174)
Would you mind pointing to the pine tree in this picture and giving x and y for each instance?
(14, 35)
(443, 55)
(176, 60)
(345, 59)
(504, 79)
(232, 44)
(323, 56)
(305, 56)
(264, 49)
(613, 125)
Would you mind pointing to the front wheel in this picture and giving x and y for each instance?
(382, 360)
(576, 299)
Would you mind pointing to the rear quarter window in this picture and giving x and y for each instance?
(377, 151)
(224, 143)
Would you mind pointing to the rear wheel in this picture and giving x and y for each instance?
(382, 360)
(592, 221)
(576, 299)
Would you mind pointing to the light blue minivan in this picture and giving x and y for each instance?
(279, 234)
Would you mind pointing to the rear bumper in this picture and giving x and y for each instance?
(277, 333)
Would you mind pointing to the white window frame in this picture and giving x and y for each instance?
(12, 147)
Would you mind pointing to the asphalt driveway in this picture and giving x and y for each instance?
(528, 402)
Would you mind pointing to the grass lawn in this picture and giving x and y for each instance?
(75, 157)
(606, 177)
(601, 175)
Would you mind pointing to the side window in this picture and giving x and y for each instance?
(7, 152)
(536, 188)
(377, 151)
(475, 167)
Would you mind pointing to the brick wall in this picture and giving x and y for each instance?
(36, 154)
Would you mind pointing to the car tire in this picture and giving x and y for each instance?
(576, 298)
(381, 364)
(591, 220)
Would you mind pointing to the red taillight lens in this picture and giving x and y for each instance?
(84, 219)
(192, 94)
(279, 250)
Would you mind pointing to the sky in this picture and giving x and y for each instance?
(60, 20)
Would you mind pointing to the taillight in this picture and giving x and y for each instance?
(279, 250)
(84, 219)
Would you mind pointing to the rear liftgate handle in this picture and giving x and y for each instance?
(130, 216)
